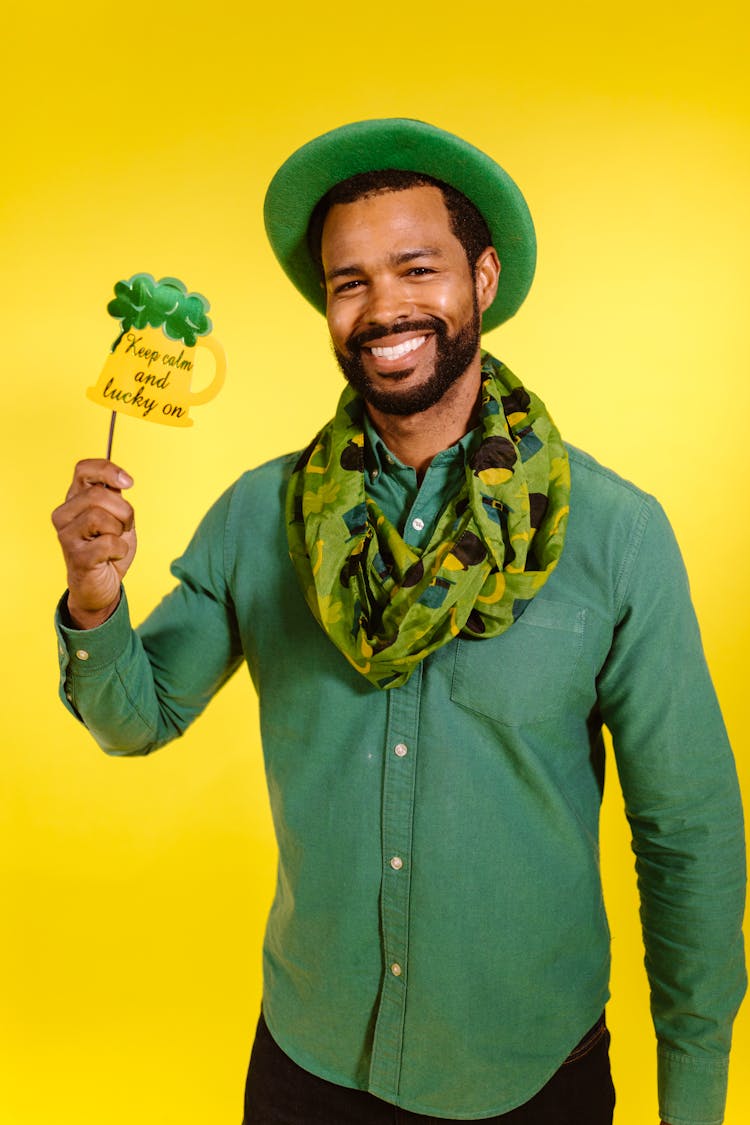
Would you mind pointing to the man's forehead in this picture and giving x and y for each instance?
(398, 213)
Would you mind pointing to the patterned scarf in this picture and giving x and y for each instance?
(386, 604)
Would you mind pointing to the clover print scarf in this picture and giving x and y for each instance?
(386, 605)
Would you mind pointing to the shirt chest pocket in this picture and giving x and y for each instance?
(528, 673)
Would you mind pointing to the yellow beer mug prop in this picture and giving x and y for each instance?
(149, 372)
(148, 376)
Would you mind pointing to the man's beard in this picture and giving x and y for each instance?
(453, 354)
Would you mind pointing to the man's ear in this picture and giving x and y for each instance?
(486, 277)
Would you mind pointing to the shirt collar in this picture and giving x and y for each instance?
(379, 459)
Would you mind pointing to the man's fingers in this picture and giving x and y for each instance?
(87, 554)
(103, 500)
(90, 523)
(97, 471)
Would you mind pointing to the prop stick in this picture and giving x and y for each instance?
(111, 435)
(148, 371)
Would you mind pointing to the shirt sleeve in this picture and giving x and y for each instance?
(137, 689)
(683, 804)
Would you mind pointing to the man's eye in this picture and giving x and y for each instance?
(347, 286)
(419, 271)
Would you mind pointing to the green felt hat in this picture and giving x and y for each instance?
(395, 142)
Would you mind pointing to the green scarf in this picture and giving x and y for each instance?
(386, 604)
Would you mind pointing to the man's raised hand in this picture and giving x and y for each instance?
(96, 530)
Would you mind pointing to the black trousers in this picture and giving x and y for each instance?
(278, 1092)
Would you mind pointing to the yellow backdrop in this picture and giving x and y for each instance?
(142, 138)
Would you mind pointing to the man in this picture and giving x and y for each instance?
(480, 601)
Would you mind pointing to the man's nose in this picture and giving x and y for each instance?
(387, 301)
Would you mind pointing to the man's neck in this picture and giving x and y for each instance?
(416, 438)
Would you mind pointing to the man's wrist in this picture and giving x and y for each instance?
(75, 617)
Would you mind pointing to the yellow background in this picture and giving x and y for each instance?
(142, 138)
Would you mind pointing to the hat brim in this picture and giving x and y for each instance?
(415, 146)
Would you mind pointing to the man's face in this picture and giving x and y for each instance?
(402, 304)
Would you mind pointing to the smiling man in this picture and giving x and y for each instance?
(468, 602)
(404, 298)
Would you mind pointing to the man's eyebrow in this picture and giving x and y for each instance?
(343, 271)
(394, 259)
(410, 255)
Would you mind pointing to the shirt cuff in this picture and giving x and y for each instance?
(692, 1091)
(84, 652)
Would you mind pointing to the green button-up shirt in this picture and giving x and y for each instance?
(438, 934)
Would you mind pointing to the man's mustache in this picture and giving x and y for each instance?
(428, 324)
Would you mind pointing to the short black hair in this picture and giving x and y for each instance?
(466, 221)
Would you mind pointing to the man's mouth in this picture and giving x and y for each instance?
(397, 350)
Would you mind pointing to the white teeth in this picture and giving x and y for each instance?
(399, 349)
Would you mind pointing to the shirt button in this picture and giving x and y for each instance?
(418, 524)
(389, 459)
(400, 750)
(397, 863)
(396, 969)
(82, 654)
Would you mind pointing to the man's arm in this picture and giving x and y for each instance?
(682, 801)
(136, 690)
